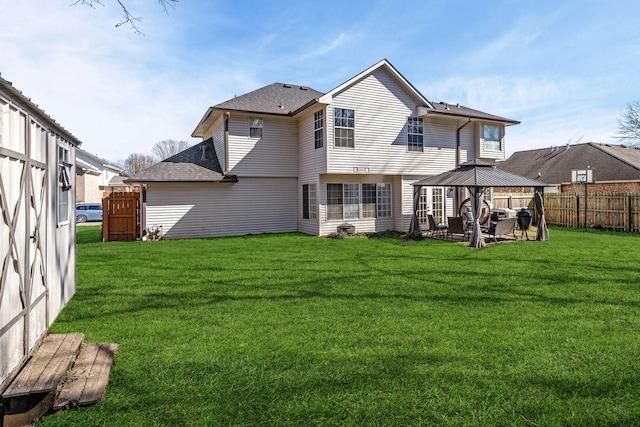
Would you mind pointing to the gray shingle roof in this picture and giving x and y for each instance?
(195, 164)
(277, 98)
(462, 111)
(477, 173)
(554, 164)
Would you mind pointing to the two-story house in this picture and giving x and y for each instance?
(289, 158)
(93, 177)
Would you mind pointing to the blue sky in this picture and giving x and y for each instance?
(565, 69)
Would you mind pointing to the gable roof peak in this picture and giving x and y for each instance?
(383, 63)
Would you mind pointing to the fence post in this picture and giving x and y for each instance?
(628, 215)
(105, 217)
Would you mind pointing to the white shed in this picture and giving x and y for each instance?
(37, 226)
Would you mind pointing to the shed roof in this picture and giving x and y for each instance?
(610, 162)
(38, 112)
(195, 164)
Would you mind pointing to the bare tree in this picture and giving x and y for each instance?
(127, 17)
(136, 162)
(168, 147)
(629, 124)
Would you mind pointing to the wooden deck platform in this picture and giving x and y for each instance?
(61, 360)
(87, 381)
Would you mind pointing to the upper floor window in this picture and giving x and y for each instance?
(344, 124)
(492, 138)
(255, 127)
(415, 137)
(318, 125)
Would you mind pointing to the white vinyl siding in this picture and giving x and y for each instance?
(250, 206)
(218, 140)
(275, 154)
(381, 108)
(313, 161)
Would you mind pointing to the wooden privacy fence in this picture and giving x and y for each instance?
(611, 211)
(513, 201)
(120, 216)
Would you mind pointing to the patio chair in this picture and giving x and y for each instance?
(434, 227)
(504, 227)
(457, 226)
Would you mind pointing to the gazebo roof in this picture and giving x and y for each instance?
(477, 173)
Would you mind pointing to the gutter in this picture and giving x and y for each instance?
(226, 143)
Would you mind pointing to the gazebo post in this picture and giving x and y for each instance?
(543, 232)
(477, 195)
(414, 226)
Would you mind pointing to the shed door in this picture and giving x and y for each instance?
(23, 237)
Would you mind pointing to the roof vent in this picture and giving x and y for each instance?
(287, 86)
(204, 150)
(303, 88)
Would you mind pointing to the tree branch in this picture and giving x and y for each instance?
(128, 18)
(629, 124)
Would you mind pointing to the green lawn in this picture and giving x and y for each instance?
(294, 330)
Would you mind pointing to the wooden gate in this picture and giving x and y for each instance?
(121, 216)
(24, 296)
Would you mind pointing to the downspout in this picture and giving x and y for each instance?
(458, 142)
(459, 190)
(226, 143)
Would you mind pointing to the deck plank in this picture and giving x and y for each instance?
(21, 385)
(77, 378)
(59, 364)
(89, 376)
(99, 377)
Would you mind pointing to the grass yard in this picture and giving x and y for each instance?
(293, 330)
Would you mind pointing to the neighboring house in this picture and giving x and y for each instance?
(615, 167)
(93, 177)
(37, 230)
(289, 158)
